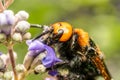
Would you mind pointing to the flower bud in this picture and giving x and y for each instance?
(3, 58)
(2, 37)
(17, 37)
(1, 75)
(22, 15)
(8, 62)
(8, 75)
(27, 36)
(63, 71)
(2, 65)
(20, 68)
(22, 26)
(7, 20)
(3, 20)
(51, 78)
(9, 17)
(10, 12)
(39, 69)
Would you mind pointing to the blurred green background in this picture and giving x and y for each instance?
(100, 18)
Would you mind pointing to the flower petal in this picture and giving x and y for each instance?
(28, 42)
(36, 45)
(50, 58)
(53, 72)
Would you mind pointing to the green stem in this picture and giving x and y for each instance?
(10, 50)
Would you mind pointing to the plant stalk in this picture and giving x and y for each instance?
(12, 59)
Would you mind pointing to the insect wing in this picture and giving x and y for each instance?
(99, 62)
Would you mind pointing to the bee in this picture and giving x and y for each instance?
(82, 58)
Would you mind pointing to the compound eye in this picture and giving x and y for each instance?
(67, 30)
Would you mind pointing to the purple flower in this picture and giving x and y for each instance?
(53, 72)
(37, 46)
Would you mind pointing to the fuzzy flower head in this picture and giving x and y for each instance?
(50, 59)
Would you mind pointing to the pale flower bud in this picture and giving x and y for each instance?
(1, 75)
(2, 37)
(20, 68)
(22, 26)
(3, 57)
(3, 20)
(7, 20)
(27, 36)
(9, 17)
(40, 69)
(8, 75)
(22, 15)
(17, 37)
(10, 12)
(2, 65)
(8, 58)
